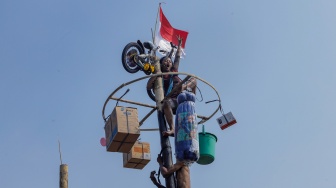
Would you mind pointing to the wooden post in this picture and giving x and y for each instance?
(165, 143)
(63, 183)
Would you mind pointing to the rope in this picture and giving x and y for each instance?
(159, 171)
(122, 96)
(222, 111)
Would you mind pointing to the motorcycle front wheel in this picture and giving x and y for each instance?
(131, 50)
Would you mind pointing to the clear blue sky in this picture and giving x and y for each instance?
(272, 62)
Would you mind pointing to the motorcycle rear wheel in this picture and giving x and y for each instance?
(150, 91)
(151, 94)
(128, 57)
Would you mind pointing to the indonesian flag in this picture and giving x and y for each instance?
(167, 34)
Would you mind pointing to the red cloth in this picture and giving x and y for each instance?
(169, 33)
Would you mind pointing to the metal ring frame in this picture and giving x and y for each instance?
(204, 118)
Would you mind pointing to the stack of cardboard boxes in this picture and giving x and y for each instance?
(122, 132)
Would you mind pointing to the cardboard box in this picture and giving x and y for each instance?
(138, 157)
(226, 120)
(122, 129)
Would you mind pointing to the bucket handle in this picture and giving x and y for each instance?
(203, 131)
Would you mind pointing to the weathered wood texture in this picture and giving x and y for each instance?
(63, 183)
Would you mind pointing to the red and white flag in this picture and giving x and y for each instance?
(167, 34)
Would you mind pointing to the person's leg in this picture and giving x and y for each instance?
(168, 107)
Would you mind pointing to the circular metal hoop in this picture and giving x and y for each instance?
(204, 118)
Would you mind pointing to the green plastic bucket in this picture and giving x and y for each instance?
(207, 143)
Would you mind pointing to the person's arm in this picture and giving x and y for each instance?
(172, 50)
(167, 171)
(155, 182)
(190, 84)
(178, 54)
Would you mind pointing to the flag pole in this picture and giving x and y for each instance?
(157, 16)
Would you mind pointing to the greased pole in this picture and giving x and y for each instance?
(165, 143)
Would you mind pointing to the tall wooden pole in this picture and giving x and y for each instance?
(165, 143)
(63, 183)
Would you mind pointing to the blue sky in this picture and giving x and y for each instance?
(272, 62)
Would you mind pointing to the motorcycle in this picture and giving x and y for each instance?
(134, 58)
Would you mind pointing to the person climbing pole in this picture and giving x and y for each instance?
(181, 103)
(176, 168)
(169, 83)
